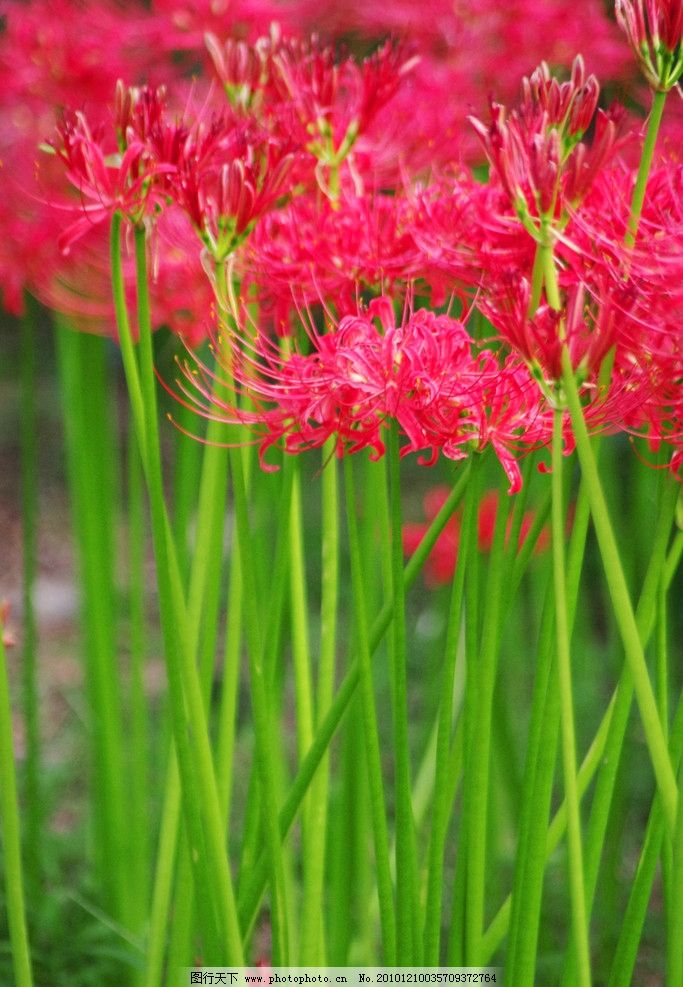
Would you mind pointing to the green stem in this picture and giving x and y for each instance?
(140, 849)
(203, 605)
(200, 799)
(640, 188)
(540, 770)
(623, 610)
(621, 973)
(645, 616)
(441, 805)
(379, 820)
(301, 658)
(227, 717)
(11, 836)
(497, 930)
(576, 882)
(263, 717)
(188, 453)
(312, 952)
(29, 517)
(539, 773)
(406, 865)
(481, 665)
(594, 757)
(674, 966)
(552, 289)
(674, 557)
(536, 282)
(457, 939)
(90, 447)
(251, 894)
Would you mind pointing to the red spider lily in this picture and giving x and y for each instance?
(335, 101)
(326, 251)
(356, 379)
(183, 26)
(569, 105)
(587, 325)
(243, 69)
(107, 180)
(366, 371)
(442, 560)
(468, 231)
(654, 29)
(51, 57)
(303, 89)
(225, 198)
(505, 410)
(536, 151)
(460, 46)
(647, 283)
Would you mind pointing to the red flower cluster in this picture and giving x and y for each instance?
(334, 184)
(447, 395)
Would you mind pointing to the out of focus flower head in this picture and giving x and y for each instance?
(303, 88)
(467, 51)
(115, 169)
(443, 558)
(51, 57)
(315, 249)
(654, 29)
(8, 638)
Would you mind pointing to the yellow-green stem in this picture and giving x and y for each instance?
(576, 882)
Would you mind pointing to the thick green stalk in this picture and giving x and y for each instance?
(138, 766)
(623, 610)
(482, 665)
(576, 881)
(653, 124)
(594, 757)
(227, 717)
(186, 466)
(674, 557)
(252, 839)
(351, 881)
(441, 805)
(541, 757)
(263, 717)
(33, 800)
(457, 938)
(11, 836)
(312, 951)
(536, 281)
(301, 659)
(200, 798)
(379, 819)
(539, 773)
(164, 874)
(645, 616)
(253, 889)
(552, 290)
(90, 448)
(406, 866)
(497, 930)
(674, 964)
(205, 569)
(621, 974)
